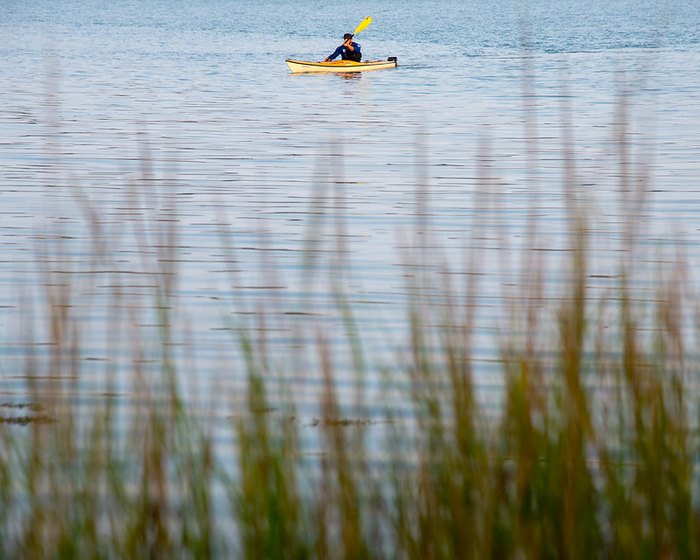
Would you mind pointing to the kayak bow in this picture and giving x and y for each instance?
(299, 66)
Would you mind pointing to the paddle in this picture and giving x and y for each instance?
(363, 24)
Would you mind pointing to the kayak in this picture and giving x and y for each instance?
(298, 66)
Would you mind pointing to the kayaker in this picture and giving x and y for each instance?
(349, 50)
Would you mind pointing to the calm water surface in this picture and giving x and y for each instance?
(165, 145)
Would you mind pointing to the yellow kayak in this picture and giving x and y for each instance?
(299, 66)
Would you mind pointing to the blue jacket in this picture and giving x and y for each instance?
(346, 53)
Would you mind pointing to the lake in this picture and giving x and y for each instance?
(163, 150)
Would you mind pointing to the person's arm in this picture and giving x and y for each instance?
(336, 53)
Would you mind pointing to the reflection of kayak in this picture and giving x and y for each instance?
(297, 66)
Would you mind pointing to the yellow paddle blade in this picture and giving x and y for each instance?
(363, 24)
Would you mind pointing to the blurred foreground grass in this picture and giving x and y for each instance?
(593, 452)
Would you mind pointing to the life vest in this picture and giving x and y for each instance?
(355, 55)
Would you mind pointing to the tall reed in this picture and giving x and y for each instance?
(591, 452)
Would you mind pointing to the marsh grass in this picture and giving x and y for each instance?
(592, 453)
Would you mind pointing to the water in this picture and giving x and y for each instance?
(121, 119)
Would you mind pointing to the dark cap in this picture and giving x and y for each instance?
(347, 36)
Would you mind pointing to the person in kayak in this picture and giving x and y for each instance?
(349, 50)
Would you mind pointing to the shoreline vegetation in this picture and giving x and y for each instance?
(593, 452)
